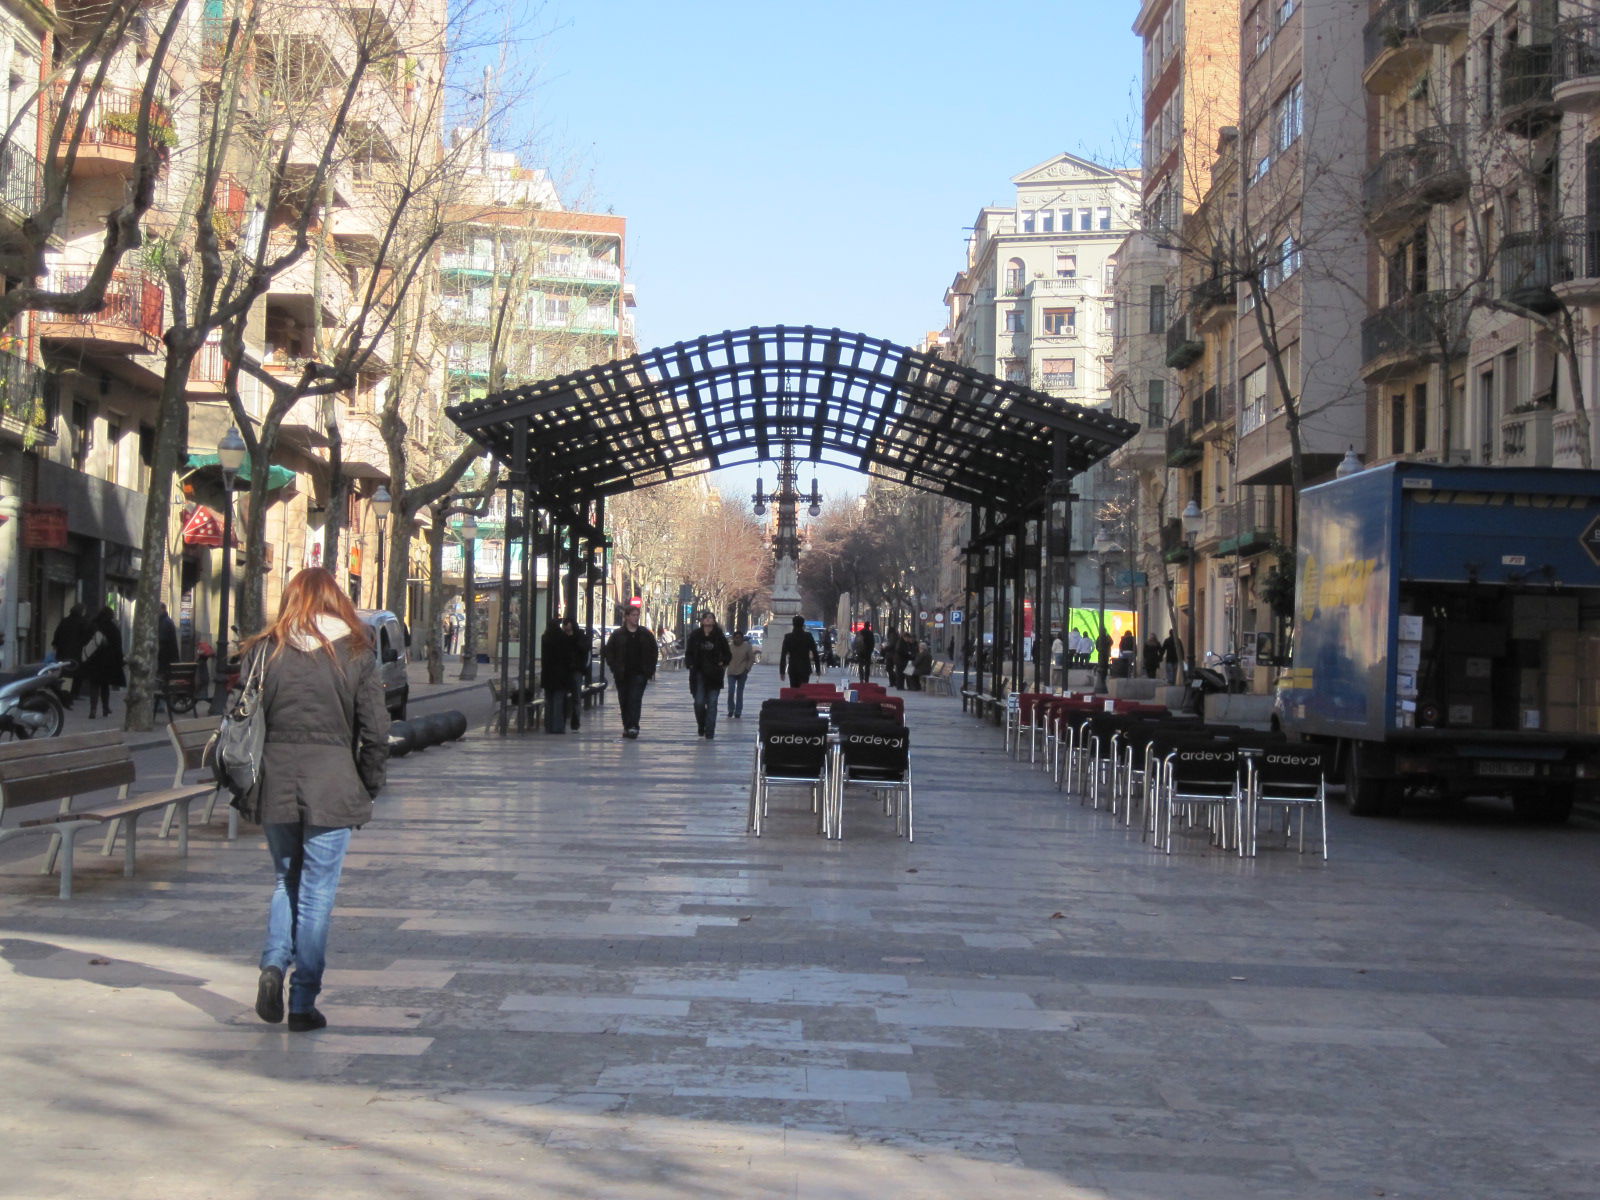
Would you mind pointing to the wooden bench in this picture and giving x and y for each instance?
(939, 681)
(532, 704)
(62, 769)
(985, 704)
(189, 737)
(594, 694)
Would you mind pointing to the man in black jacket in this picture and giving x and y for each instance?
(799, 655)
(631, 653)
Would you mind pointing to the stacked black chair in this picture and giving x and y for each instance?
(1199, 775)
(875, 755)
(791, 748)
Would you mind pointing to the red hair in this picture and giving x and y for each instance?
(312, 593)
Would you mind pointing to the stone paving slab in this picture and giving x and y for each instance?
(560, 967)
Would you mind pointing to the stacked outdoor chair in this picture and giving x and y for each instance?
(1199, 780)
(791, 750)
(874, 753)
(1027, 718)
(1286, 777)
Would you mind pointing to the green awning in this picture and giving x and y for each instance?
(277, 477)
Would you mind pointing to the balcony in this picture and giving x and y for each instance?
(1248, 526)
(581, 269)
(1182, 449)
(1542, 270)
(1527, 84)
(1212, 302)
(1577, 88)
(1216, 405)
(130, 322)
(1412, 331)
(1440, 22)
(1527, 439)
(1183, 350)
(1174, 546)
(109, 137)
(207, 371)
(1408, 180)
(26, 394)
(1393, 45)
(21, 183)
(1570, 429)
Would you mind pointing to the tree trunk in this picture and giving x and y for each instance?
(433, 644)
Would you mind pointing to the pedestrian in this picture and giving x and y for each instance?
(1152, 656)
(324, 760)
(798, 655)
(167, 650)
(827, 648)
(742, 658)
(706, 654)
(631, 654)
(905, 651)
(71, 632)
(921, 666)
(1127, 653)
(554, 677)
(102, 667)
(578, 644)
(1170, 657)
(1102, 646)
(868, 643)
(891, 658)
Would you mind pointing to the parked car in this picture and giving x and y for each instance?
(389, 642)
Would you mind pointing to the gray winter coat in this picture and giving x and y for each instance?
(327, 737)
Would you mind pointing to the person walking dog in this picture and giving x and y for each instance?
(327, 743)
(631, 654)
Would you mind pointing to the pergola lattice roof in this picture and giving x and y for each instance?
(843, 398)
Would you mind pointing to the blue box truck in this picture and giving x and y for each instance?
(1447, 634)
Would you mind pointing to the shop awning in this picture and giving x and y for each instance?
(202, 526)
(277, 477)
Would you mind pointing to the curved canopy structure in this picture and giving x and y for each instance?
(842, 398)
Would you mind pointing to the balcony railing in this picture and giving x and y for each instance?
(1408, 179)
(113, 118)
(20, 180)
(23, 400)
(1182, 348)
(1248, 525)
(1216, 403)
(133, 301)
(1416, 328)
(1394, 24)
(1213, 292)
(1182, 449)
(1528, 75)
(1533, 263)
(1526, 438)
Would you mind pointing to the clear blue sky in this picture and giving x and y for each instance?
(816, 162)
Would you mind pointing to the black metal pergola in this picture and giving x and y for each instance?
(840, 398)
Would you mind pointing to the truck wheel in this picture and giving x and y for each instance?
(1544, 808)
(1364, 796)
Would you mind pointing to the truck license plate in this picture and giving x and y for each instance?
(1496, 767)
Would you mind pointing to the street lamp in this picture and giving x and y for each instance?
(1192, 518)
(381, 504)
(468, 529)
(230, 457)
(1102, 548)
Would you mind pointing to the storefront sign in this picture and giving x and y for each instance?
(44, 526)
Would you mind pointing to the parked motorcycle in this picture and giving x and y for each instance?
(30, 703)
(1221, 674)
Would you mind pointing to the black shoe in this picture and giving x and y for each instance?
(269, 995)
(711, 735)
(575, 724)
(306, 1022)
(631, 733)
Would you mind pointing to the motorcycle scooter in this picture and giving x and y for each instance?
(30, 702)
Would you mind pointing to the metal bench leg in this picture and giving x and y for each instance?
(130, 843)
(181, 807)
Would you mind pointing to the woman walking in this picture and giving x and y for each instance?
(327, 744)
(102, 665)
(706, 653)
(743, 658)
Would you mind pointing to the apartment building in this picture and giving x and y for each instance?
(83, 391)
(1034, 302)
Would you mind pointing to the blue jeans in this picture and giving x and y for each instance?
(555, 710)
(736, 694)
(630, 699)
(705, 702)
(307, 860)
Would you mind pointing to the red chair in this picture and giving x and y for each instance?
(895, 706)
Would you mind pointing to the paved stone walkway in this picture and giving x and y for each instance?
(561, 968)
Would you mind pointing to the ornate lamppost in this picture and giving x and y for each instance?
(381, 504)
(785, 499)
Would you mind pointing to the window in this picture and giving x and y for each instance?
(1085, 219)
(80, 435)
(557, 309)
(1397, 423)
(1510, 380)
(1015, 274)
(1013, 320)
(1253, 400)
(1419, 418)
(1158, 308)
(1287, 118)
(1285, 11)
(1060, 320)
(1060, 373)
(1156, 401)
(114, 448)
(1066, 266)
(1027, 221)
(1102, 217)
(1486, 400)
(1047, 220)
(1016, 371)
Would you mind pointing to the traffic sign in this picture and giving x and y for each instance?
(923, 615)
(955, 616)
(1132, 579)
(938, 617)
